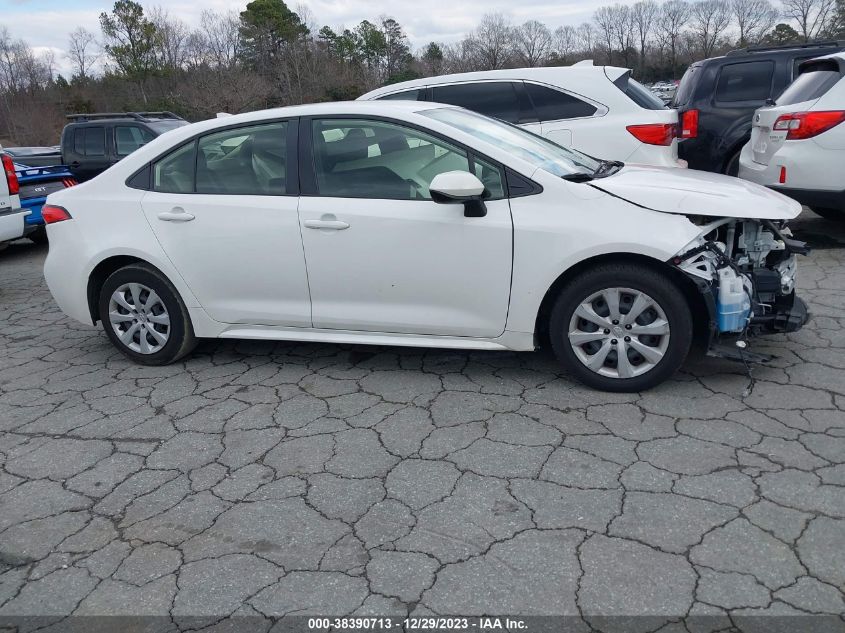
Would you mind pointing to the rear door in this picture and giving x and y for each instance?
(224, 208)
(89, 151)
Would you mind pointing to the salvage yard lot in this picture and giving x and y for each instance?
(261, 478)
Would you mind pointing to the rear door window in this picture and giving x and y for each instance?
(89, 141)
(745, 81)
(498, 99)
(553, 105)
(128, 138)
(812, 84)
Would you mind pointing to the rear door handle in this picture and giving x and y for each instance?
(335, 225)
(177, 214)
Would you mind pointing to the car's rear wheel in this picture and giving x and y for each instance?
(39, 235)
(621, 327)
(834, 215)
(144, 317)
(732, 166)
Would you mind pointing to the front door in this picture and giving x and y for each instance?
(224, 208)
(382, 256)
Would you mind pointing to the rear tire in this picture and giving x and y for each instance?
(834, 215)
(655, 342)
(732, 166)
(144, 316)
(39, 236)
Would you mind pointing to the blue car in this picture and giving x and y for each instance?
(36, 183)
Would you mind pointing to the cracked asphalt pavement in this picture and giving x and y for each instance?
(265, 479)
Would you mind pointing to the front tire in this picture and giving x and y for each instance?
(144, 317)
(621, 327)
(834, 215)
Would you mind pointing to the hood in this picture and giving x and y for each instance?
(692, 192)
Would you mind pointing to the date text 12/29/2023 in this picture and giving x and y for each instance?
(425, 623)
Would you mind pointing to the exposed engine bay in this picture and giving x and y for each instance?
(745, 268)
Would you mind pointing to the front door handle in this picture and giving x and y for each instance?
(334, 225)
(177, 214)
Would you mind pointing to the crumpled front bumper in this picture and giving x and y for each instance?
(789, 314)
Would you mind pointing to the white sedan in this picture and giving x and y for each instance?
(420, 225)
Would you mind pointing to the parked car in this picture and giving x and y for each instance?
(718, 96)
(35, 156)
(598, 110)
(418, 224)
(36, 183)
(11, 214)
(797, 145)
(91, 143)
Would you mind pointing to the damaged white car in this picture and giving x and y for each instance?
(418, 224)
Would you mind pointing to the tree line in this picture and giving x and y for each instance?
(270, 54)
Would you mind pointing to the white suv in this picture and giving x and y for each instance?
(11, 214)
(797, 145)
(598, 110)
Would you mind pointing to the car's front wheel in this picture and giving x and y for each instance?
(621, 327)
(144, 317)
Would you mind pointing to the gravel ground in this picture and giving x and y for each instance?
(259, 479)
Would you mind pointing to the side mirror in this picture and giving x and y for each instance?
(460, 187)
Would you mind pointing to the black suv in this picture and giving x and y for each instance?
(718, 96)
(91, 143)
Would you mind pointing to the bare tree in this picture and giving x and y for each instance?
(673, 18)
(605, 19)
(813, 17)
(623, 30)
(754, 18)
(172, 35)
(82, 52)
(587, 38)
(492, 42)
(710, 18)
(565, 43)
(643, 16)
(533, 43)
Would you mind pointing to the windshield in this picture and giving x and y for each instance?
(531, 148)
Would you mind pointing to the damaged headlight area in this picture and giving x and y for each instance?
(746, 270)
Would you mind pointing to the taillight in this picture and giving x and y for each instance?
(689, 124)
(654, 134)
(53, 213)
(801, 125)
(11, 176)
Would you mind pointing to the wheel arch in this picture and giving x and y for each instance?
(103, 270)
(694, 298)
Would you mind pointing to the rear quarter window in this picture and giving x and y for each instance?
(638, 93)
(405, 95)
(745, 81)
(811, 84)
(686, 87)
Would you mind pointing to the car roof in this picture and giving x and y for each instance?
(545, 74)
(772, 51)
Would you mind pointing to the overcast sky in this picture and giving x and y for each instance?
(46, 23)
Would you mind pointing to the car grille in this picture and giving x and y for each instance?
(42, 189)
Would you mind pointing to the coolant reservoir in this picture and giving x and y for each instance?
(734, 304)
